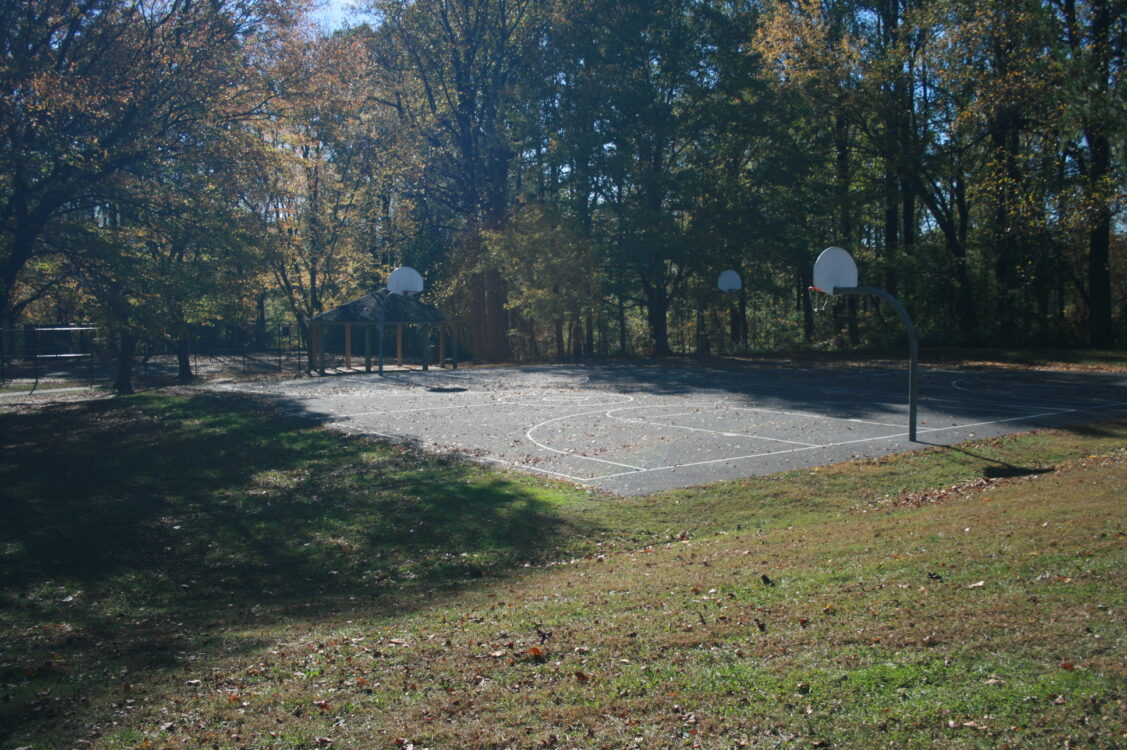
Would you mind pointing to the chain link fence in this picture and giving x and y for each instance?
(81, 356)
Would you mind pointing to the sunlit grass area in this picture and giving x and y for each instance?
(188, 571)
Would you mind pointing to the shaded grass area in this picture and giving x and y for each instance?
(190, 572)
(138, 532)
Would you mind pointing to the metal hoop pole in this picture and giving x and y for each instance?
(383, 302)
(913, 347)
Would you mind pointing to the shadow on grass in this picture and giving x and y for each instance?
(995, 468)
(1107, 429)
(140, 530)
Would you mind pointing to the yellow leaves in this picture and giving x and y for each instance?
(798, 40)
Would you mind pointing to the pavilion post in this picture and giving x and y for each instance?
(319, 347)
(382, 303)
(368, 348)
(399, 344)
(442, 345)
(348, 346)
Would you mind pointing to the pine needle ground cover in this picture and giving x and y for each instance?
(179, 571)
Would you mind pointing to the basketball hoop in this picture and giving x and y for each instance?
(835, 273)
(405, 281)
(819, 298)
(730, 283)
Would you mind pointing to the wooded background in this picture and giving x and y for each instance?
(570, 176)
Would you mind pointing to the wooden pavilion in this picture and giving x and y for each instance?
(375, 311)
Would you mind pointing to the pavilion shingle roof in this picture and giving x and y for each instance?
(397, 309)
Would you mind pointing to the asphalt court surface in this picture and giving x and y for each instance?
(638, 428)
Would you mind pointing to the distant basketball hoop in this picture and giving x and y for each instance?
(729, 282)
(405, 281)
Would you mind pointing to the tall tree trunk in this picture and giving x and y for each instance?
(622, 338)
(891, 225)
(260, 323)
(1099, 263)
(561, 345)
(184, 360)
(657, 314)
(842, 181)
(496, 318)
(803, 297)
(1099, 146)
(126, 351)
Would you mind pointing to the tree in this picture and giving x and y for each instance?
(92, 89)
(631, 104)
(318, 177)
(452, 70)
(168, 246)
(1095, 44)
(551, 270)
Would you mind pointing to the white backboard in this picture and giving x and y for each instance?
(834, 268)
(405, 281)
(729, 281)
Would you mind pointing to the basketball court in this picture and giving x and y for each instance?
(634, 429)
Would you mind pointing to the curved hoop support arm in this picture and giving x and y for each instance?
(913, 346)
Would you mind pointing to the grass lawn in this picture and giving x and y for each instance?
(184, 571)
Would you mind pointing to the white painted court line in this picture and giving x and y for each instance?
(1000, 421)
(639, 469)
(695, 411)
(649, 423)
(530, 430)
(531, 467)
(1088, 404)
(828, 445)
(753, 455)
(410, 411)
(472, 456)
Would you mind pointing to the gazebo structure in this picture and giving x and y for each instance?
(375, 311)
